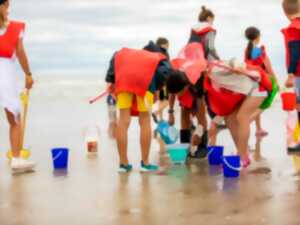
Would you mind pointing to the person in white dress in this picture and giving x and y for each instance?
(11, 48)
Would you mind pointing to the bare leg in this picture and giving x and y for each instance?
(14, 133)
(212, 134)
(232, 125)
(258, 123)
(146, 135)
(244, 116)
(201, 113)
(122, 134)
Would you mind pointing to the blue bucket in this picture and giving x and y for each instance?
(231, 166)
(169, 134)
(60, 158)
(215, 155)
(178, 153)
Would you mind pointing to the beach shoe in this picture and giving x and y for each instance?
(149, 168)
(125, 168)
(20, 165)
(294, 150)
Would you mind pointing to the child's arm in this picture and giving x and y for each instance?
(211, 46)
(172, 99)
(23, 60)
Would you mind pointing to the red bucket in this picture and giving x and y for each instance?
(288, 101)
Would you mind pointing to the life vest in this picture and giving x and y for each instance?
(292, 33)
(221, 101)
(259, 61)
(9, 40)
(198, 35)
(201, 33)
(134, 70)
(192, 62)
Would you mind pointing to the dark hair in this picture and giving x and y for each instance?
(176, 81)
(204, 14)
(162, 41)
(251, 34)
(3, 1)
(291, 7)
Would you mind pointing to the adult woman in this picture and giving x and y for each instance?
(11, 48)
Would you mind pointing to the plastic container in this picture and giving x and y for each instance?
(215, 155)
(60, 157)
(169, 134)
(231, 166)
(288, 101)
(91, 137)
(178, 153)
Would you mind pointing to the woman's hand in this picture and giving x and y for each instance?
(29, 82)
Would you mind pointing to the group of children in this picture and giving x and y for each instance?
(233, 94)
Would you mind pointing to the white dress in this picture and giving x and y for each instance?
(9, 88)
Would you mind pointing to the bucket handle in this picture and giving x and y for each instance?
(212, 149)
(57, 155)
(231, 167)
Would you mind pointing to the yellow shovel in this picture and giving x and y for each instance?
(25, 153)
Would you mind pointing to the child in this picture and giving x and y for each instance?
(134, 76)
(205, 33)
(239, 100)
(291, 34)
(188, 87)
(256, 55)
(11, 47)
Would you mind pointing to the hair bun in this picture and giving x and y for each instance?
(203, 8)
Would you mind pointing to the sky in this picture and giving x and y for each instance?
(78, 37)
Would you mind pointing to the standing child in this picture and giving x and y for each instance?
(134, 76)
(256, 55)
(292, 40)
(11, 47)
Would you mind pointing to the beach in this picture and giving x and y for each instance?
(93, 192)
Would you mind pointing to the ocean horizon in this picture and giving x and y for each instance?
(78, 37)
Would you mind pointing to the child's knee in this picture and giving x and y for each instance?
(144, 119)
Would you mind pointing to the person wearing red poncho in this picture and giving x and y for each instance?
(11, 48)
(201, 46)
(134, 75)
(257, 56)
(292, 42)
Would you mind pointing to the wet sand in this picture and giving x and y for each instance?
(91, 192)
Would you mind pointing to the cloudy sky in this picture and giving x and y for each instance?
(79, 36)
